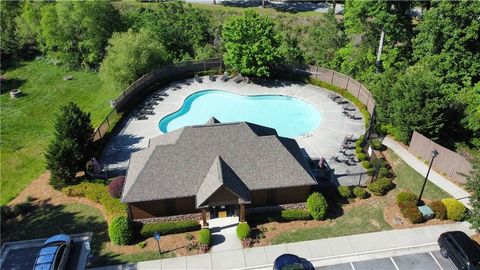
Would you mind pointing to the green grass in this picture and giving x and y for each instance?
(27, 123)
(143, 256)
(409, 179)
(363, 219)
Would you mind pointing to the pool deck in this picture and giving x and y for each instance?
(324, 141)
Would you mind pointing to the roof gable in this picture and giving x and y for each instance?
(221, 177)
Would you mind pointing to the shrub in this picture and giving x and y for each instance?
(455, 209)
(97, 192)
(360, 193)
(243, 231)
(366, 164)
(317, 206)
(141, 244)
(120, 231)
(345, 192)
(169, 227)
(205, 237)
(376, 144)
(412, 214)
(439, 209)
(360, 142)
(358, 149)
(116, 186)
(405, 198)
(361, 156)
(295, 214)
(381, 186)
(383, 172)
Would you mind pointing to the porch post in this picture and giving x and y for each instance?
(204, 218)
(242, 212)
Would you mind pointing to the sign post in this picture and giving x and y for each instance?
(157, 237)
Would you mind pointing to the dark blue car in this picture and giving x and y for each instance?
(288, 262)
(54, 253)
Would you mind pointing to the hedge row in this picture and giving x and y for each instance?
(169, 227)
(98, 193)
(455, 209)
(280, 216)
(294, 214)
(349, 192)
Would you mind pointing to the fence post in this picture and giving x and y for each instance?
(331, 80)
(348, 81)
(359, 87)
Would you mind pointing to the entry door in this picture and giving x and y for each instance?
(222, 214)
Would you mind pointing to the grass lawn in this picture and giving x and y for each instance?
(144, 256)
(27, 123)
(362, 219)
(409, 179)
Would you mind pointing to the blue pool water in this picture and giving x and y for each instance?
(291, 117)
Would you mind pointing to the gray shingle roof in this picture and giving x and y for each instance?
(175, 166)
(221, 175)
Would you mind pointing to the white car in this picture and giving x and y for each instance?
(54, 253)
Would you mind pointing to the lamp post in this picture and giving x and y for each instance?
(434, 155)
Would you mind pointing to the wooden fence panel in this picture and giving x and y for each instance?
(447, 162)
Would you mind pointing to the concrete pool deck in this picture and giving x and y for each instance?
(324, 141)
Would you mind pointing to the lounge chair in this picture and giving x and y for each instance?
(161, 93)
(151, 102)
(147, 112)
(348, 107)
(238, 79)
(340, 101)
(348, 114)
(225, 76)
(197, 78)
(142, 117)
(333, 96)
(211, 77)
(147, 106)
(246, 79)
(157, 98)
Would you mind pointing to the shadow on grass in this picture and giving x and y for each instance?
(10, 84)
(42, 219)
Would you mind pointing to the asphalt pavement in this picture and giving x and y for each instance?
(418, 261)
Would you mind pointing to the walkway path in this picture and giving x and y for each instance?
(318, 252)
(224, 234)
(434, 177)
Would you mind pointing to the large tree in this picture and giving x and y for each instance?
(8, 39)
(71, 147)
(416, 104)
(473, 184)
(251, 44)
(76, 33)
(129, 56)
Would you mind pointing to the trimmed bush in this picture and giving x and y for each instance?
(205, 237)
(294, 214)
(345, 192)
(317, 206)
(169, 227)
(120, 231)
(358, 149)
(383, 172)
(455, 209)
(360, 142)
(361, 156)
(380, 187)
(406, 198)
(439, 209)
(243, 230)
(366, 164)
(360, 193)
(116, 186)
(376, 144)
(98, 193)
(412, 214)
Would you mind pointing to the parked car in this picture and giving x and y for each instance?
(54, 253)
(460, 249)
(288, 262)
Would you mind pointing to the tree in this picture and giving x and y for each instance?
(322, 40)
(129, 56)
(75, 33)
(8, 39)
(71, 146)
(473, 184)
(417, 104)
(251, 44)
(364, 21)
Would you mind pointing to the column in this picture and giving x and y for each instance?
(204, 217)
(242, 212)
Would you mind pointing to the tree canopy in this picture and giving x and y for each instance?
(251, 44)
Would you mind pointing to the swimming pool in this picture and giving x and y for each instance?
(291, 117)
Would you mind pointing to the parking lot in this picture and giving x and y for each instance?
(21, 255)
(419, 261)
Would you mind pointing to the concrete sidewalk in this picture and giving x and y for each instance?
(422, 168)
(318, 252)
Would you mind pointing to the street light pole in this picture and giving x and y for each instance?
(434, 155)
